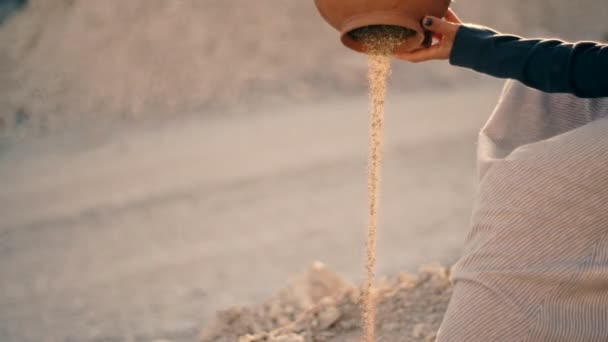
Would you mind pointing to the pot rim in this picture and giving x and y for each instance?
(382, 18)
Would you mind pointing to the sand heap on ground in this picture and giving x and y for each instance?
(319, 305)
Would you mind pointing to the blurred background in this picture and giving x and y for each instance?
(164, 159)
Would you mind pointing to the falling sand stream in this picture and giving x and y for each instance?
(380, 42)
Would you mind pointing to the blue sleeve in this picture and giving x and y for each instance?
(551, 66)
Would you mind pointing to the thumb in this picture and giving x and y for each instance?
(439, 26)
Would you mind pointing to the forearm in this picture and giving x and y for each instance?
(547, 65)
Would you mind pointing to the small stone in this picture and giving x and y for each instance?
(421, 330)
(287, 338)
(431, 337)
(328, 317)
(247, 338)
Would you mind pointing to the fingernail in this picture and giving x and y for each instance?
(428, 22)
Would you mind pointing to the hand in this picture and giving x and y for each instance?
(444, 31)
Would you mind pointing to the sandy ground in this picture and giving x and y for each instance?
(142, 232)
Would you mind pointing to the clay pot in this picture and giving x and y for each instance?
(348, 15)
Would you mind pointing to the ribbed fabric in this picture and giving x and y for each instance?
(535, 265)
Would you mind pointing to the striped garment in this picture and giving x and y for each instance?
(535, 265)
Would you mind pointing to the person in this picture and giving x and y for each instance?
(551, 66)
(535, 263)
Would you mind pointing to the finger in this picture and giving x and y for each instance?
(421, 55)
(452, 17)
(440, 26)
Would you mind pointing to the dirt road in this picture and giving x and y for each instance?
(141, 232)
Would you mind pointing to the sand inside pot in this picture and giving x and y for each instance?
(382, 39)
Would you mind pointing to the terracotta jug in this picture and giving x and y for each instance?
(348, 15)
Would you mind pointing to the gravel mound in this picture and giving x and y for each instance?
(318, 305)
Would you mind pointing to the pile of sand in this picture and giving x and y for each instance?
(318, 305)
